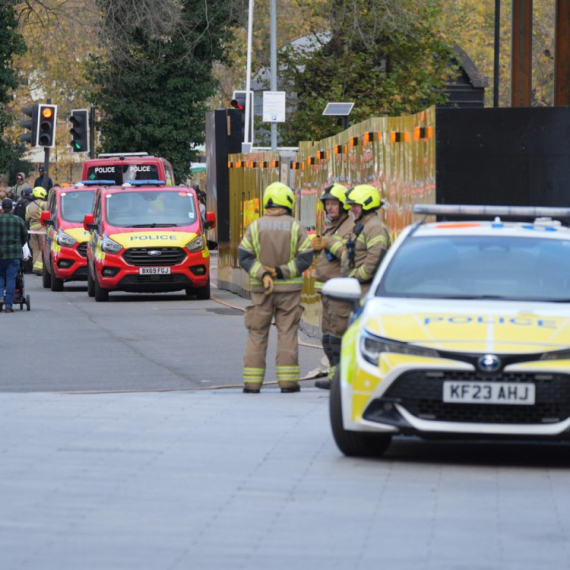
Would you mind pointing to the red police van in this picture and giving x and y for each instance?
(147, 237)
(65, 245)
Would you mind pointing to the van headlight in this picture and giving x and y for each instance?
(110, 246)
(372, 347)
(64, 239)
(197, 244)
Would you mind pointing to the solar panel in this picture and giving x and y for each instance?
(338, 109)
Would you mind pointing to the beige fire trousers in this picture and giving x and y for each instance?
(287, 309)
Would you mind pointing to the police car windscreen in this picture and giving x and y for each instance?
(480, 267)
(161, 208)
(74, 205)
(140, 172)
(107, 172)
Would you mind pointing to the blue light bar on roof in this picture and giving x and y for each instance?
(97, 182)
(501, 211)
(145, 182)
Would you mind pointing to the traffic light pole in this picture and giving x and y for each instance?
(92, 132)
(46, 161)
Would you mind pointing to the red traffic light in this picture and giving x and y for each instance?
(238, 104)
(47, 113)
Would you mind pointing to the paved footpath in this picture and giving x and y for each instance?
(222, 480)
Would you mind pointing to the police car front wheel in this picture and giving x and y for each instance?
(352, 443)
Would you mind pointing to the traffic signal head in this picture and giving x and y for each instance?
(46, 125)
(32, 125)
(80, 130)
(238, 102)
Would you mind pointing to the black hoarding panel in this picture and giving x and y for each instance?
(505, 156)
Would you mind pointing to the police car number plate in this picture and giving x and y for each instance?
(154, 270)
(488, 393)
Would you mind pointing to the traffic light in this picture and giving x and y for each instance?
(238, 102)
(31, 125)
(80, 130)
(46, 125)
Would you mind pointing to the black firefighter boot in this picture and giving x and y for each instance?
(325, 383)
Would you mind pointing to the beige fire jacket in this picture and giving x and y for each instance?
(280, 242)
(370, 246)
(334, 238)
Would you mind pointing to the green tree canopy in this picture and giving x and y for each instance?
(11, 44)
(153, 84)
(386, 56)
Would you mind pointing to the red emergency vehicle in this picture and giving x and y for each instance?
(65, 244)
(147, 237)
(123, 167)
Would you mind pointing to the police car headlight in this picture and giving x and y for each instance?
(372, 347)
(110, 246)
(556, 355)
(65, 239)
(197, 244)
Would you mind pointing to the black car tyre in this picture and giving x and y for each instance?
(90, 284)
(101, 295)
(56, 284)
(46, 277)
(203, 293)
(353, 443)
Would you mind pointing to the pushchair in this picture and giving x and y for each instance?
(20, 297)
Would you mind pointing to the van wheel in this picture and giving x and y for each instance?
(101, 295)
(203, 293)
(46, 277)
(353, 443)
(90, 284)
(56, 284)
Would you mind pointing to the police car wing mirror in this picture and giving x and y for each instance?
(344, 289)
(45, 220)
(210, 221)
(89, 222)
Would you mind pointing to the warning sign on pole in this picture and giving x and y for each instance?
(274, 106)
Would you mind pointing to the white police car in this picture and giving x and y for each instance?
(464, 332)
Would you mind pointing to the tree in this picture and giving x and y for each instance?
(156, 76)
(11, 44)
(387, 56)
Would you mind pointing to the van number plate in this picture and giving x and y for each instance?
(154, 270)
(488, 393)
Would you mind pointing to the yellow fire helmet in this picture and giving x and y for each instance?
(39, 192)
(365, 195)
(278, 195)
(336, 192)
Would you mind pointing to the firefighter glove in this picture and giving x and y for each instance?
(318, 244)
(271, 271)
(267, 283)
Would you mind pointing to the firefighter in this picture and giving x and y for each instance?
(275, 251)
(33, 213)
(369, 240)
(331, 247)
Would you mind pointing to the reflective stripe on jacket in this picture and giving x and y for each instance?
(280, 242)
(33, 213)
(369, 249)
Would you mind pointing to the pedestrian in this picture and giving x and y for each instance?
(33, 214)
(369, 239)
(22, 204)
(275, 252)
(21, 185)
(40, 180)
(331, 247)
(13, 237)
